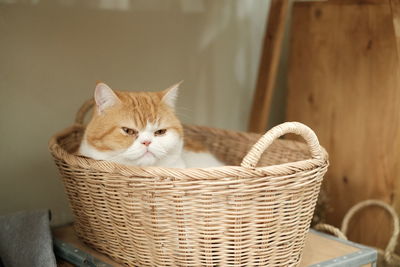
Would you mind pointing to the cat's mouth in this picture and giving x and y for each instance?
(148, 153)
(145, 154)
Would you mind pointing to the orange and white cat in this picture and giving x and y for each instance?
(141, 129)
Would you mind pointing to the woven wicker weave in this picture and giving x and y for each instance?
(238, 215)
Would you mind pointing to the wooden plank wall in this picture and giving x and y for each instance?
(344, 83)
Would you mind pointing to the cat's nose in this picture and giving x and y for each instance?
(146, 142)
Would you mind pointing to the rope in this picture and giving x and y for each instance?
(327, 228)
(389, 251)
(388, 254)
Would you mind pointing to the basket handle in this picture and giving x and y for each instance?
(253, 156)
(389, 251)
(83, 110)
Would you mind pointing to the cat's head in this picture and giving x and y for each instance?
(134, 128)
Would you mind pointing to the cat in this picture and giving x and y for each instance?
(140, 129)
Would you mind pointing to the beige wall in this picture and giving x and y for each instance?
(53, 52)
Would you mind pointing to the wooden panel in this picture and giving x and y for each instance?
(319, 249)
(344, 83)
(268, 66)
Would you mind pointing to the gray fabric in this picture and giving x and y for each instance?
(25, 240)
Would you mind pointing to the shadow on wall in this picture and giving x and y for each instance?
(226, 66)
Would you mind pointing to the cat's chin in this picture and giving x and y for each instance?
(148, 159)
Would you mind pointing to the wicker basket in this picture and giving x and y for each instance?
(226, 216)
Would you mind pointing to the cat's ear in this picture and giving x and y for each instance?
(105, 97)
(170, 95)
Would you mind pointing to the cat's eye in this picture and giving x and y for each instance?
(160, 132)
(129, 131)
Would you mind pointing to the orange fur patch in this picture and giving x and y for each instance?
(194, 146)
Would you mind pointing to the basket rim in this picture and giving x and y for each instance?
(209, 173)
